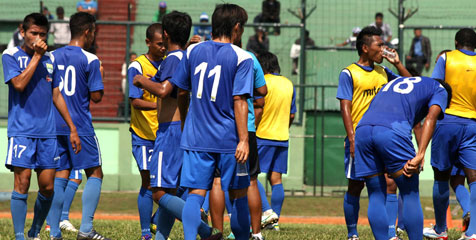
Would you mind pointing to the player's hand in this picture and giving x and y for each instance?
(138, 80)
(242, 152)
(194, 39)
(40, 47)
(75, 142)
(413, 166)
(393, 60)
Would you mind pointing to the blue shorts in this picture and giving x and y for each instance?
(379, 149)
(198, 171)
(454, 145)
(456, 171)
(167, 156)
(273, 158)
(142, 151)
(88, 157)
(76, 174)
(32, 153)
(350, 163)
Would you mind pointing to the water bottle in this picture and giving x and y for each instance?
(388, 53)
(241, 169)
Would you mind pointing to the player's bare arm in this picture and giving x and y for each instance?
(160, 90)
(21, 81)
(345, 110)
(241, 119)
(402, 70)
(413, 165)
(60, 104)
(417, 129)
(291, 119)
(258, 105)
(96, 96)
(261, 91)
(143, 105)
(183, 100)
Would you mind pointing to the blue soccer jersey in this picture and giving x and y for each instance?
(78, 73)
(30, 113)
(213, 72)
(167, 68)
(403, 102)
(258, 82)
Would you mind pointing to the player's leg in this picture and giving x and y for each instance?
(467, 156)
(391, 205)
(54, 215)
(265, 156)
(412, 211)
(400, 224)
(277, 191)
(377, 214)
(462, 194)
(75, 179)
(217, 204)
(471, 175)
(18, 205)
(254, 199)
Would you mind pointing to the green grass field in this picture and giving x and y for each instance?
(125, 203)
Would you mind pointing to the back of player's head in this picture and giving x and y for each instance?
(152, 29)
(37, 19)
(366, 37)
(269, 62)
(178, 26)
(466, 37)
(80, 22)
(225, 17)
(448, 90)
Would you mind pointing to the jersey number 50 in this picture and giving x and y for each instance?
(406, 81)
(70, 75)
(202, 68)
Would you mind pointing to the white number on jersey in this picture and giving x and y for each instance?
(70, 75)
(23, 60)
(201, 68)
(408, 82)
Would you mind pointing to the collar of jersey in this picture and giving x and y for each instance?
(470, 53)
(365, 68)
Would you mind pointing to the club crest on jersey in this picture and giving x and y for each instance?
(49, 68)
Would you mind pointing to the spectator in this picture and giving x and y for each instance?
(60, 31)
(384, 27)
(420, 53)
(258, 42)
(203, 31)
(161, 12)
(88, 6)
(17, 39)
(296, 51)
(270, 13)
(352, 40)
(47, 13)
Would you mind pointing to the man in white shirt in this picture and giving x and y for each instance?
(384, 27)
(61, 32)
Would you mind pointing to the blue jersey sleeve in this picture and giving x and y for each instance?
(243, 82)
(390, 75)
(258, 72)
(94, 77)
(439, 70)
(11, 68)
(167, 68)
(293, 103)
(134, 92)
(181, 77)
(345, 89)
(440, 98)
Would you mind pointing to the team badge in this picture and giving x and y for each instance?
(49, 68)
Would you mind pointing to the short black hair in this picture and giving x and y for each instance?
(80, 22)
(59, 10)
(379, 15)
(466, 37)
(225, 17)
(178, 26)
(269, 62)
(152, 29)
(448, 90)
(365, 37)
(37, 19)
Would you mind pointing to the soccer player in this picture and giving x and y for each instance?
(454, 140)
(144, 121)
(32, 140)
(81, 81)
(358, 84)
(273, 122)
(383, 142)
(219, 77)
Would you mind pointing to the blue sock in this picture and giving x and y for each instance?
(441, 200)
(155, 217)
(191, 216)
(412, 211)
(401, 224)
(69, 193)
(228, 203)
(472, 208)
(54, 216)
(392, 211)
(206, 204)
(165, 222)
(239, 222)
(351, 209)
(42, 207)
(91, 194)
(462, 195)
(18, 208)
(145, 205)
(264, 200)
(277, 198)
(377, 214)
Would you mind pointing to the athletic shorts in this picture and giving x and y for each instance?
(253, 160)
(32, 153)
(142, 151)
(273, 158)
(198, 171)
(88, 157)
(350, 163)
(76, 174)
(454, 145)
(379, 149)
(166, 160)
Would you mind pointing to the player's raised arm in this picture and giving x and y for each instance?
(60, 104)
(19, 82)
(395, 61)
(160, 90)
